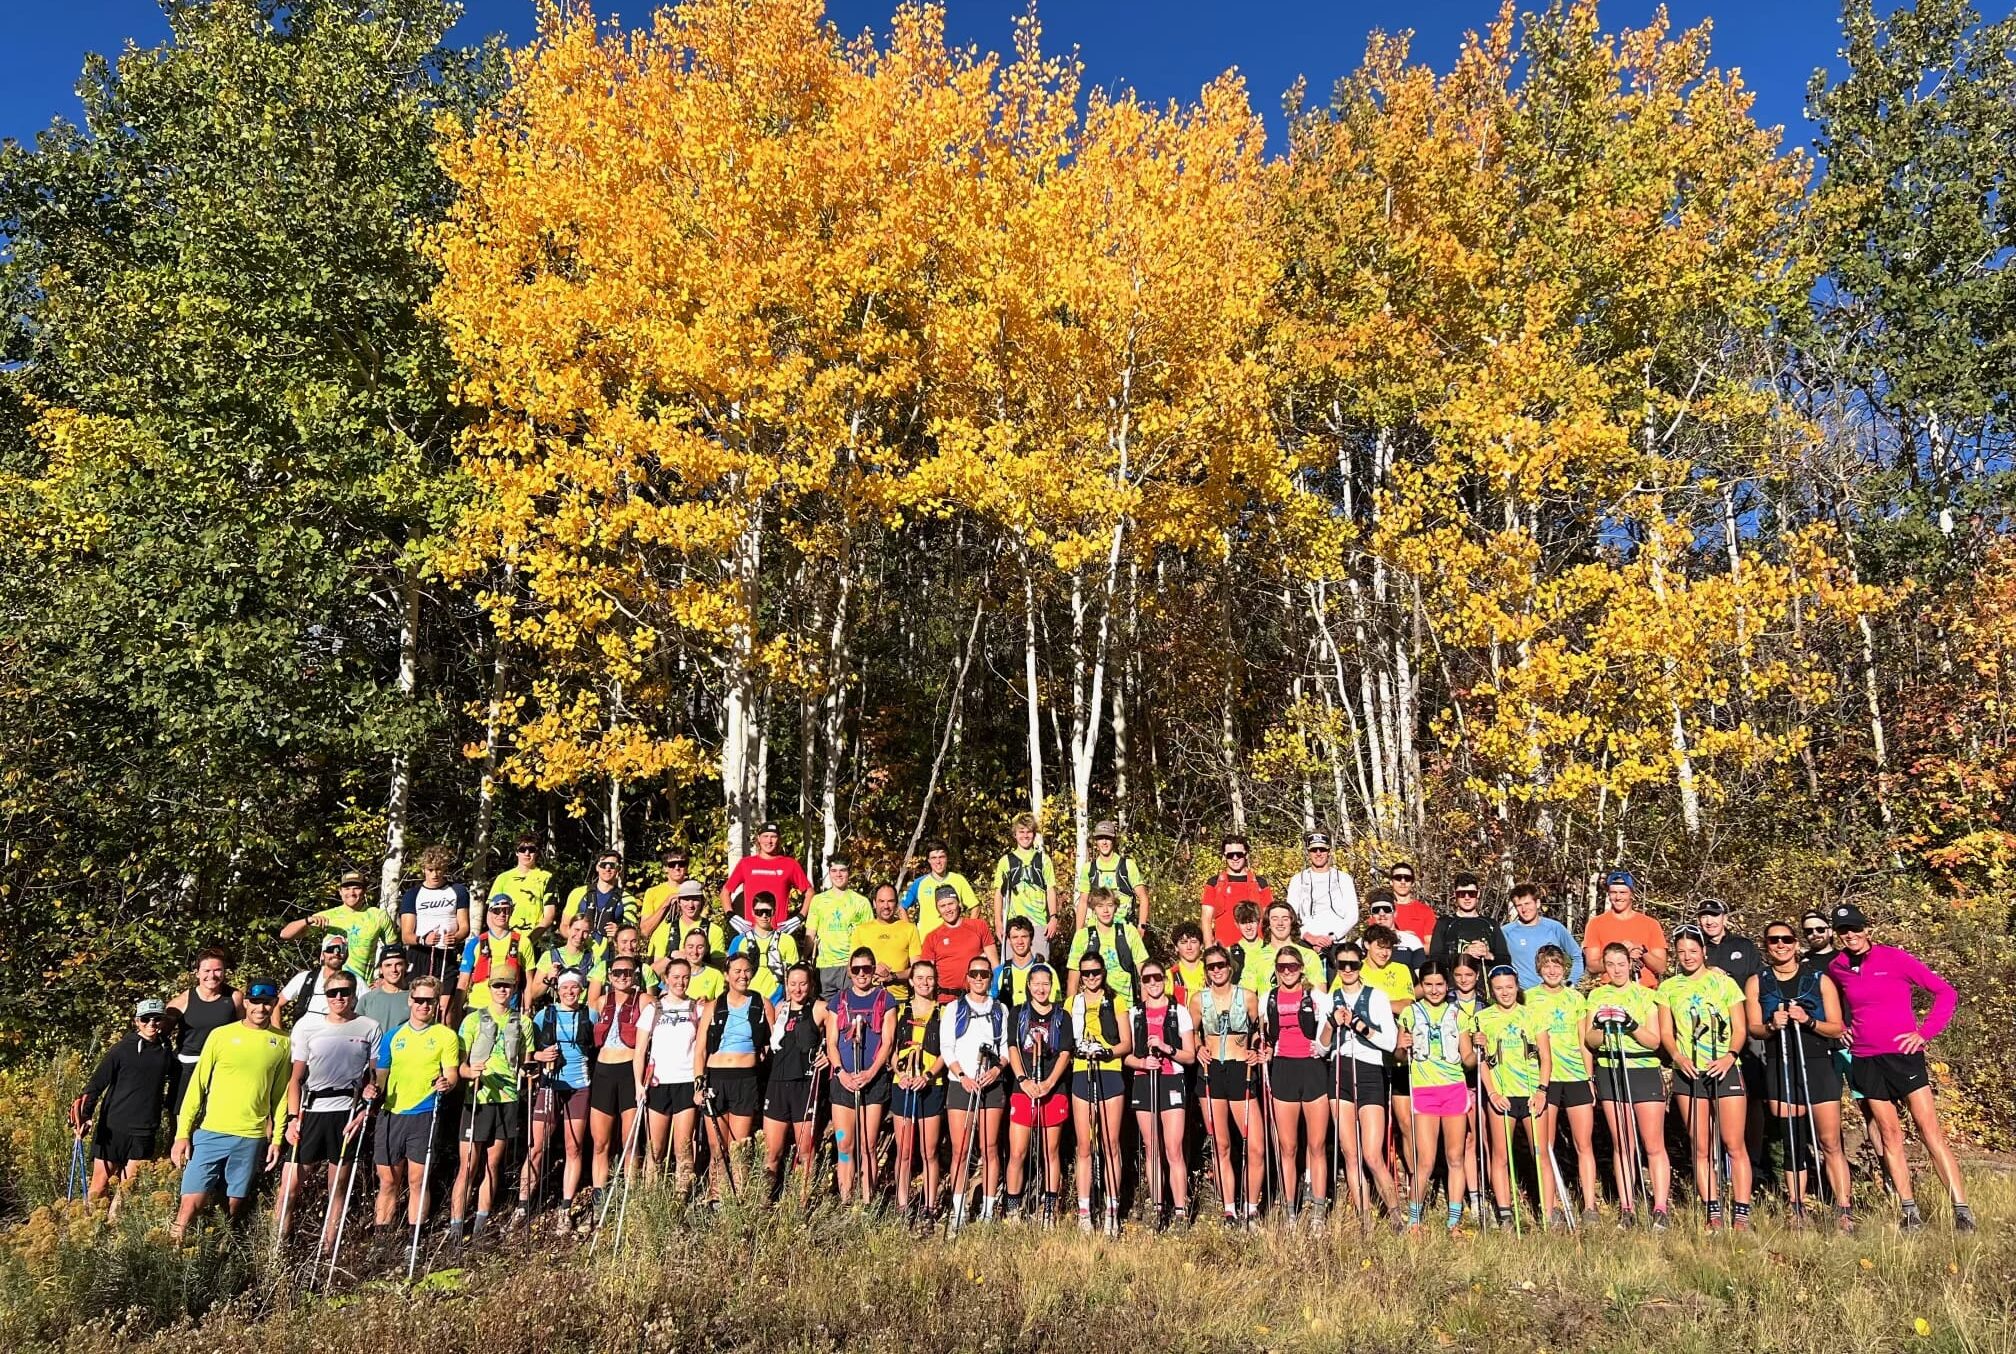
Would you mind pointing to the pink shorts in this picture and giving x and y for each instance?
(1447, 1102)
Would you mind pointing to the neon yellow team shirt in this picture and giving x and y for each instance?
(1699, 1004)
(1258, 974)
(1642, 1004)
(362, 928)
(707, 985)
(1032, 870)
(1511, 1042)
(529, 891)
(1093, 1026)
(1106, 874)
(411, 1059)
(239, 1083)
(1396, 980)
(670, 937)
(774, 955)
(896, 945)
(1559, 1012)
(497, 1079)
(1106, 942)
(832, 917)
(1436, 1059)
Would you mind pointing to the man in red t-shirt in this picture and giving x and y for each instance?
(951, 945)
(1232, 886)
(1626, 925)
(1409, 912)
(766, 872)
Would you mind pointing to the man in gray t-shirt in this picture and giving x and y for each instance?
(385, 1000)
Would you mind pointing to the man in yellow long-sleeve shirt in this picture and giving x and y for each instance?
(232, 1113)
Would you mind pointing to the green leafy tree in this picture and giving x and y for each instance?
(224, 430)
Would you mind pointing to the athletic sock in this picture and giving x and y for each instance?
(482, 1221)
(1715, 1211)
(1476, 1202)
(1504, 1215)
(1455, 1215)
(1742, 1212)
(1414, 1213)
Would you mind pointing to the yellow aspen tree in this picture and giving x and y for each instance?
(689, 277)
(1521, 300)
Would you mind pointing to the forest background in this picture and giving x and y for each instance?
(1524, 467)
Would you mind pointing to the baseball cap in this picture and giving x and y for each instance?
(335, 943)
(498, 901)
(504, 975)
(1623, 877)
(945, 891)
(1848, 917)
(1315, 840)
(348, 878)
(1815, 914)
(391, 952)
(766, 827)
(262, 989)
(1106, 828)
(1712, 907)
(692, 888)
(152, 1006)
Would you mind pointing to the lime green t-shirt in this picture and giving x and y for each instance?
(670, 937)
(1699, 1004)
(707, 985)
(1396, 980)
(1032, 872)
(1436, 1057)
(1118, 874)
(1559, 1012)
(411, 1059)
(497, 1079)
(239, 1086)
(1258, 973)
(1642, 1005)
(832, 917)
(529, 892)
(1106, 942)
(362, 928)
(1510, 1037)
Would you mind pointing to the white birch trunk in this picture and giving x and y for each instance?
(1034, 697)
(739, 746)
(399, 794)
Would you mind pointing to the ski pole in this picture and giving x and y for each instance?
(1568, 1209)
(1155, 1135)
(1622, 1141)
(290, 1180)
(1211, 1137)
(349, 1188)
(1812, 1129)
(1511, 1176)
(426, 1171)
(1795, 1188)
(79, 1178)
(810, 1125)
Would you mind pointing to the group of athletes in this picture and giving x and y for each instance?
(533, 1056)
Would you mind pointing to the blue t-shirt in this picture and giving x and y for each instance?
(572, 1069)
(1525, 941)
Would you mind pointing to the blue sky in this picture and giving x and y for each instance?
(1163, 48)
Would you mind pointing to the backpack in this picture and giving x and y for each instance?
(1123, 878)
(1305, 1015)
(1172, 1028)
(962, 1020)
(311, 987)
(485, 1042)
(1108, 1018)
(479, 969)
(845, 1013)
(584, 1031)
(623, 1020)
(580, 966)
(759, 1025)
(1123, 953)
(1016, 875)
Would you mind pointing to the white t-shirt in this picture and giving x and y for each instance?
(962, 1052)
(673, 1034)
(339, 1057)
(1370, 1049)
(318, 1005)
(1326, 903)
(434, 909)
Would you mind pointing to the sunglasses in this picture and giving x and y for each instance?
(1319, 850)
(1818, 930)
(1853, 930)
(606, 864)
(1287, 968)
(860, 968)
(622, 972)
(527, 851)
(149, 1020)
(1382, 911)
(1401, 878)
(1351, 963)
(1151, 977)
(982, 973)
(421, 1001)
(1091, 972)
(765, 912)
(1216, 965)
(346, 993)
(1466, 893)
(1235, 855)
(1781, 940)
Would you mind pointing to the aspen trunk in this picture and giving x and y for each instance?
(399, 793)
(944, 744)
(739, 742)
(1033, 696)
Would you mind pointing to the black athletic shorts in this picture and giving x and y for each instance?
(992, 1097)
(876, 1092)
(1171, 1088)
(735, 1091)
(1516, 1107)
(321, 1136)
(484, 1124)
(788, 1101)
(1358, 1083)
(118, 1150)
(1823, 1080)
(925, 1102)
(612, 1088)
(1296, 1081)
(1400, 1079)
(1568, 1095)
(1230, 1081)
(1704, 1087)
(403, 1137)
(674, 1097)
(1111, 1085)
(1888, 1076)
(1641, 1085)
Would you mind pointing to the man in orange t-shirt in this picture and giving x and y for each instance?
(1624, 924)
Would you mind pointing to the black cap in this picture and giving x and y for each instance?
(391, 952)
(1712, 907)
(1848, 917)
(766, 827)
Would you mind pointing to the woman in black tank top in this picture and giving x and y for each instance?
(210, 1004)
